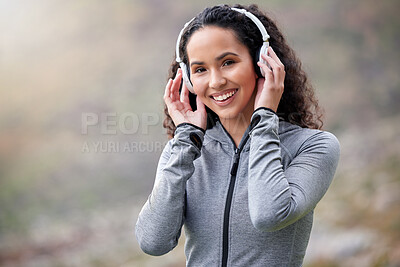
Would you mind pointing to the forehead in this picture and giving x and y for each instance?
(213, 39)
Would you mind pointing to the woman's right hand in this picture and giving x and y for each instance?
(179, 106)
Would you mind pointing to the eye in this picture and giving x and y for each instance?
(228, 62)
(199, 70)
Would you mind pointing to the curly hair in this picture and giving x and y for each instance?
(298, 104)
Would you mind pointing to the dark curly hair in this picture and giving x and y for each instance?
(298, 104)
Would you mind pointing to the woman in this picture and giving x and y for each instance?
(243, 181)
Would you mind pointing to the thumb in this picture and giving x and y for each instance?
(201, 109)
(260, 83)
(200, 105)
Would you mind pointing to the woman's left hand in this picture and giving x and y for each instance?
(270, 88)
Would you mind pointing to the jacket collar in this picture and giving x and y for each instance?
(219, 134)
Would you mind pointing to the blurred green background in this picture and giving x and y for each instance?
(81, 85)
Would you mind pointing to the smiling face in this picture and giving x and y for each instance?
(222, 73)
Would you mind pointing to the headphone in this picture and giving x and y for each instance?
(263, 49)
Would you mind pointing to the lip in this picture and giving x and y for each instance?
(225, 102)
(223, 92)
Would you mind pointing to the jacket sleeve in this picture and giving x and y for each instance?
(159, 222)
(278, 198)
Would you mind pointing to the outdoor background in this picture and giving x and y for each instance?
(81, 85)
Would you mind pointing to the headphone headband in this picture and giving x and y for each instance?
(178, 58)
(254, 19)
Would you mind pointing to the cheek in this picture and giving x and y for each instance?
(198, 86)
(247, 79)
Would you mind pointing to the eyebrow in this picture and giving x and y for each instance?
(217, 58)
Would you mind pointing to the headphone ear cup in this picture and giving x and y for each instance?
(256, 59)
(186, 78)
(263, 50)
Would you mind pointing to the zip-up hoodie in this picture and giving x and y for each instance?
(250, 205)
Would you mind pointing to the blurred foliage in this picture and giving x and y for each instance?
(61, 205)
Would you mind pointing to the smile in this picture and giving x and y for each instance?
(224, 96)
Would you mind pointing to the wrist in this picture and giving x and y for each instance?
(269, 107)
(265, 108)
(191, 124)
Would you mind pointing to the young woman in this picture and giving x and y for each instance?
(247, 163)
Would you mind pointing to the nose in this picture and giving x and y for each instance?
(217, 80)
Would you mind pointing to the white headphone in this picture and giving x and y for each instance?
(263, 49)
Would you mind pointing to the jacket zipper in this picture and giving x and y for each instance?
(228, 202)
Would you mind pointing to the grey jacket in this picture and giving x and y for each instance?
(246, 206)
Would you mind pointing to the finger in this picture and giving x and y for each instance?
(260, 83)
(272, 54)
(167, 93)
(267, 71)
(184, 97)
(201, 108)
(278, 70)
(174, 94)
(200, 105)
(174, 87)
(270, 61)
(168, 88)
(184, 94)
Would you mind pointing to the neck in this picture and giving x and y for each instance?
(237, 126)
(235, 130)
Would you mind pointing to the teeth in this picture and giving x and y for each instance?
(224, 96)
